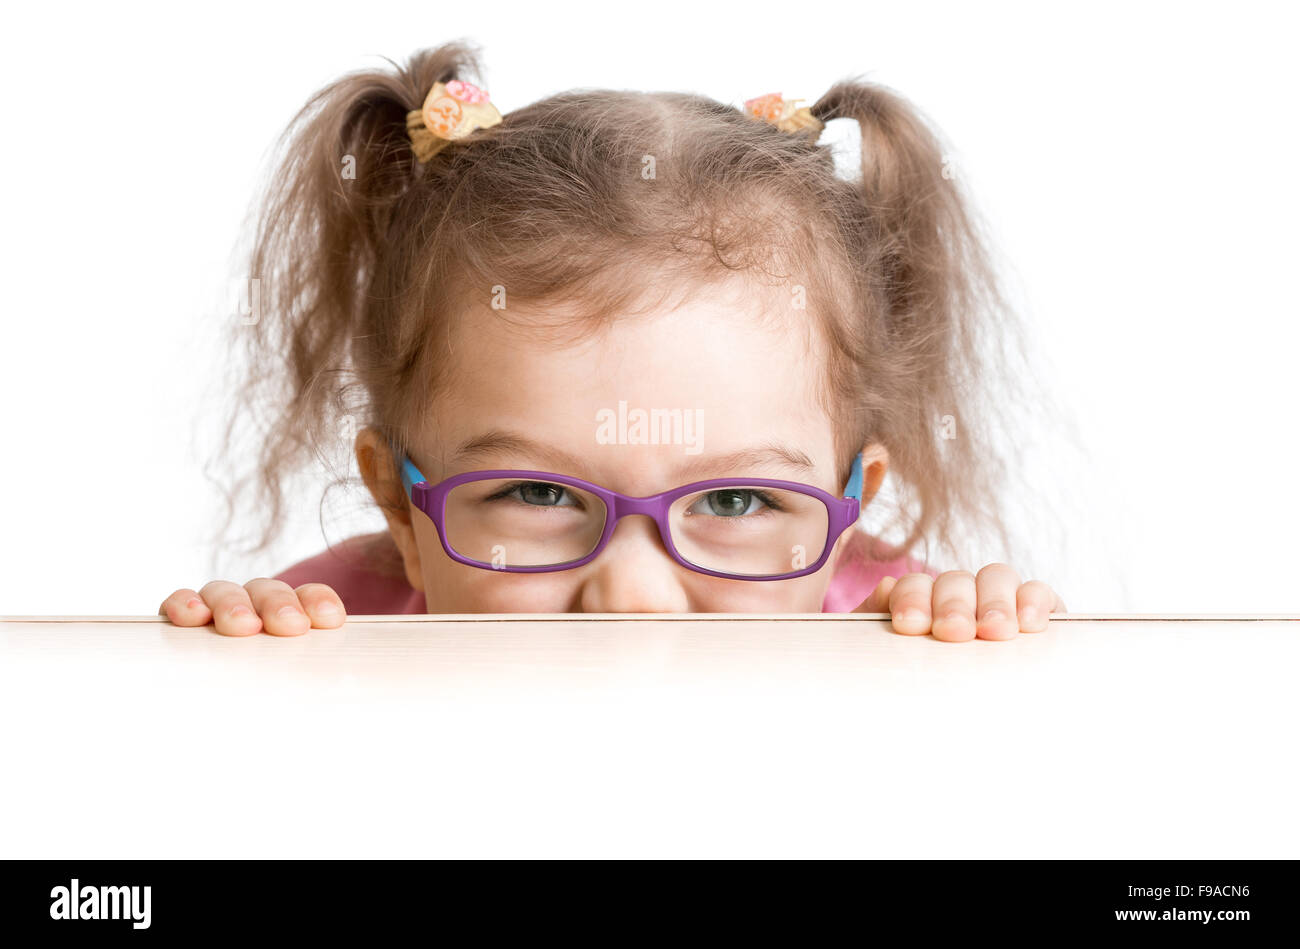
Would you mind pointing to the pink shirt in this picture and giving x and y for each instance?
(366, 572)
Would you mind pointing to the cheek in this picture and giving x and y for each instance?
(801, 595)
(452, 587)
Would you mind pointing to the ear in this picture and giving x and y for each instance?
(875, 463)
(379, 471)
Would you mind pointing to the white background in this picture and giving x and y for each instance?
(1138, 162)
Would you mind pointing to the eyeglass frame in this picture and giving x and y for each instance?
(842, 513)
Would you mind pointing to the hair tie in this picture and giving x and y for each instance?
(451, 111)
(782, 113)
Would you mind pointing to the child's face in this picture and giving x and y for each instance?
(518, 401)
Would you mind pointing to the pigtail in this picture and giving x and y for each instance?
(320, 246)
(946, 340)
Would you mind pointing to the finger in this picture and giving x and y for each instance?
(909, 604)
(954, 606)
(995, 602)
(322, 604)
(1034, 601)
(278, 606)
(185, 608)
(232, 610)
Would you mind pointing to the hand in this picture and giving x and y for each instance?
(993, 604)
(261, 605)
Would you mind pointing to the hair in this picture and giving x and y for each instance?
(362, 273)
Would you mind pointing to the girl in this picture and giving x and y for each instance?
(619, 352)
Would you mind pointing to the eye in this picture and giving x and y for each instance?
(538, 494)
(729, 502)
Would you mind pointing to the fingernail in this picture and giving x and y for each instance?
(1028, 616)
(193, 603)
(287, 612)
(995, 616)
(240, 611)
(328, 609)
(910, 616)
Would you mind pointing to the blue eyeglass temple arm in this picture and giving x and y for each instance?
(854, 488)
(411, 476)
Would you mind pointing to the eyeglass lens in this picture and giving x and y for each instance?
(741, 529)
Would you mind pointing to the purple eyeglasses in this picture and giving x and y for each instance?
(539, 521)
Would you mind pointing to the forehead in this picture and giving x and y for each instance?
(745, 359)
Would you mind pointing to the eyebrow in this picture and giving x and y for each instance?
(496, 443)
(769, 455)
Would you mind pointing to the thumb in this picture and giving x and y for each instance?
(878, 601)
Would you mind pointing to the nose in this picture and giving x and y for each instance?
(634, 573)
